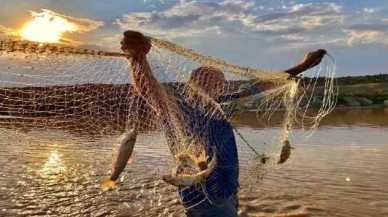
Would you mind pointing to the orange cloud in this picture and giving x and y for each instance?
(81, 24)
(7, 32)
(48, 26)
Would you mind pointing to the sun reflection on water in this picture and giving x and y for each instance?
(53, 166)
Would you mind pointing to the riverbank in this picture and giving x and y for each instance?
(358, 91)
(101, 99)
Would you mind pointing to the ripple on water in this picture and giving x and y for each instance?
(321, 176)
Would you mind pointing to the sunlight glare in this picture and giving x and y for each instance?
(54, 157)
(46, 27)
(53, 166)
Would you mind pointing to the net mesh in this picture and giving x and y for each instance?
(56, 91)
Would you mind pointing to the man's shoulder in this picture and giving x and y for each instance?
(211, 111)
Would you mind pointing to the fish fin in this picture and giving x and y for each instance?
(188, 180)
(174, 180)
(108, 184)
(130, 160)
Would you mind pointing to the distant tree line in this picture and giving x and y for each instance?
(352, 80)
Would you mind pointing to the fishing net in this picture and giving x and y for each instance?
(56, 94)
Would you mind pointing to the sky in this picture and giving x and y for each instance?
(265, 34)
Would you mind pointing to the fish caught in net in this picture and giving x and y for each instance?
(49, 87)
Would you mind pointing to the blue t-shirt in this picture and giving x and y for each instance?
(208, 125)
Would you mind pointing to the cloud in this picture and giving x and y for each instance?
(188, 19)
(378, 26)
(369, 10)
(45, 18)
(373, 32)
(234, 17)
(82, 24)
(302, 11)
(319, 24)
(7, 32)
(297, 18)
(367, 33)
(290, 24)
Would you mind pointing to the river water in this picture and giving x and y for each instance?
(340, 170)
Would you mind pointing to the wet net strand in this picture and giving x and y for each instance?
(46, 88)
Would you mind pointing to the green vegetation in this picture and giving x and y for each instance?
(353, 89)
(376, 98)
(353, 80)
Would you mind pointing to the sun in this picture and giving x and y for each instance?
(46, 28)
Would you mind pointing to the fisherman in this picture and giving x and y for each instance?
(206, 123)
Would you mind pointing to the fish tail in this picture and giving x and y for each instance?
(108, 184)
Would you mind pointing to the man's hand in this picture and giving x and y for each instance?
(310, 60)
(135, 43)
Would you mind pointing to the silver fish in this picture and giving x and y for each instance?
(127, 144)
(188, 180)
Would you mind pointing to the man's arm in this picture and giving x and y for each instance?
(136, 46)
(310, 60)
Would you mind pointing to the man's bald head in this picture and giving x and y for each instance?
(210, 80)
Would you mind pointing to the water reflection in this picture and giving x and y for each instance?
(56, 172)
(53, 166)
(108, 125)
